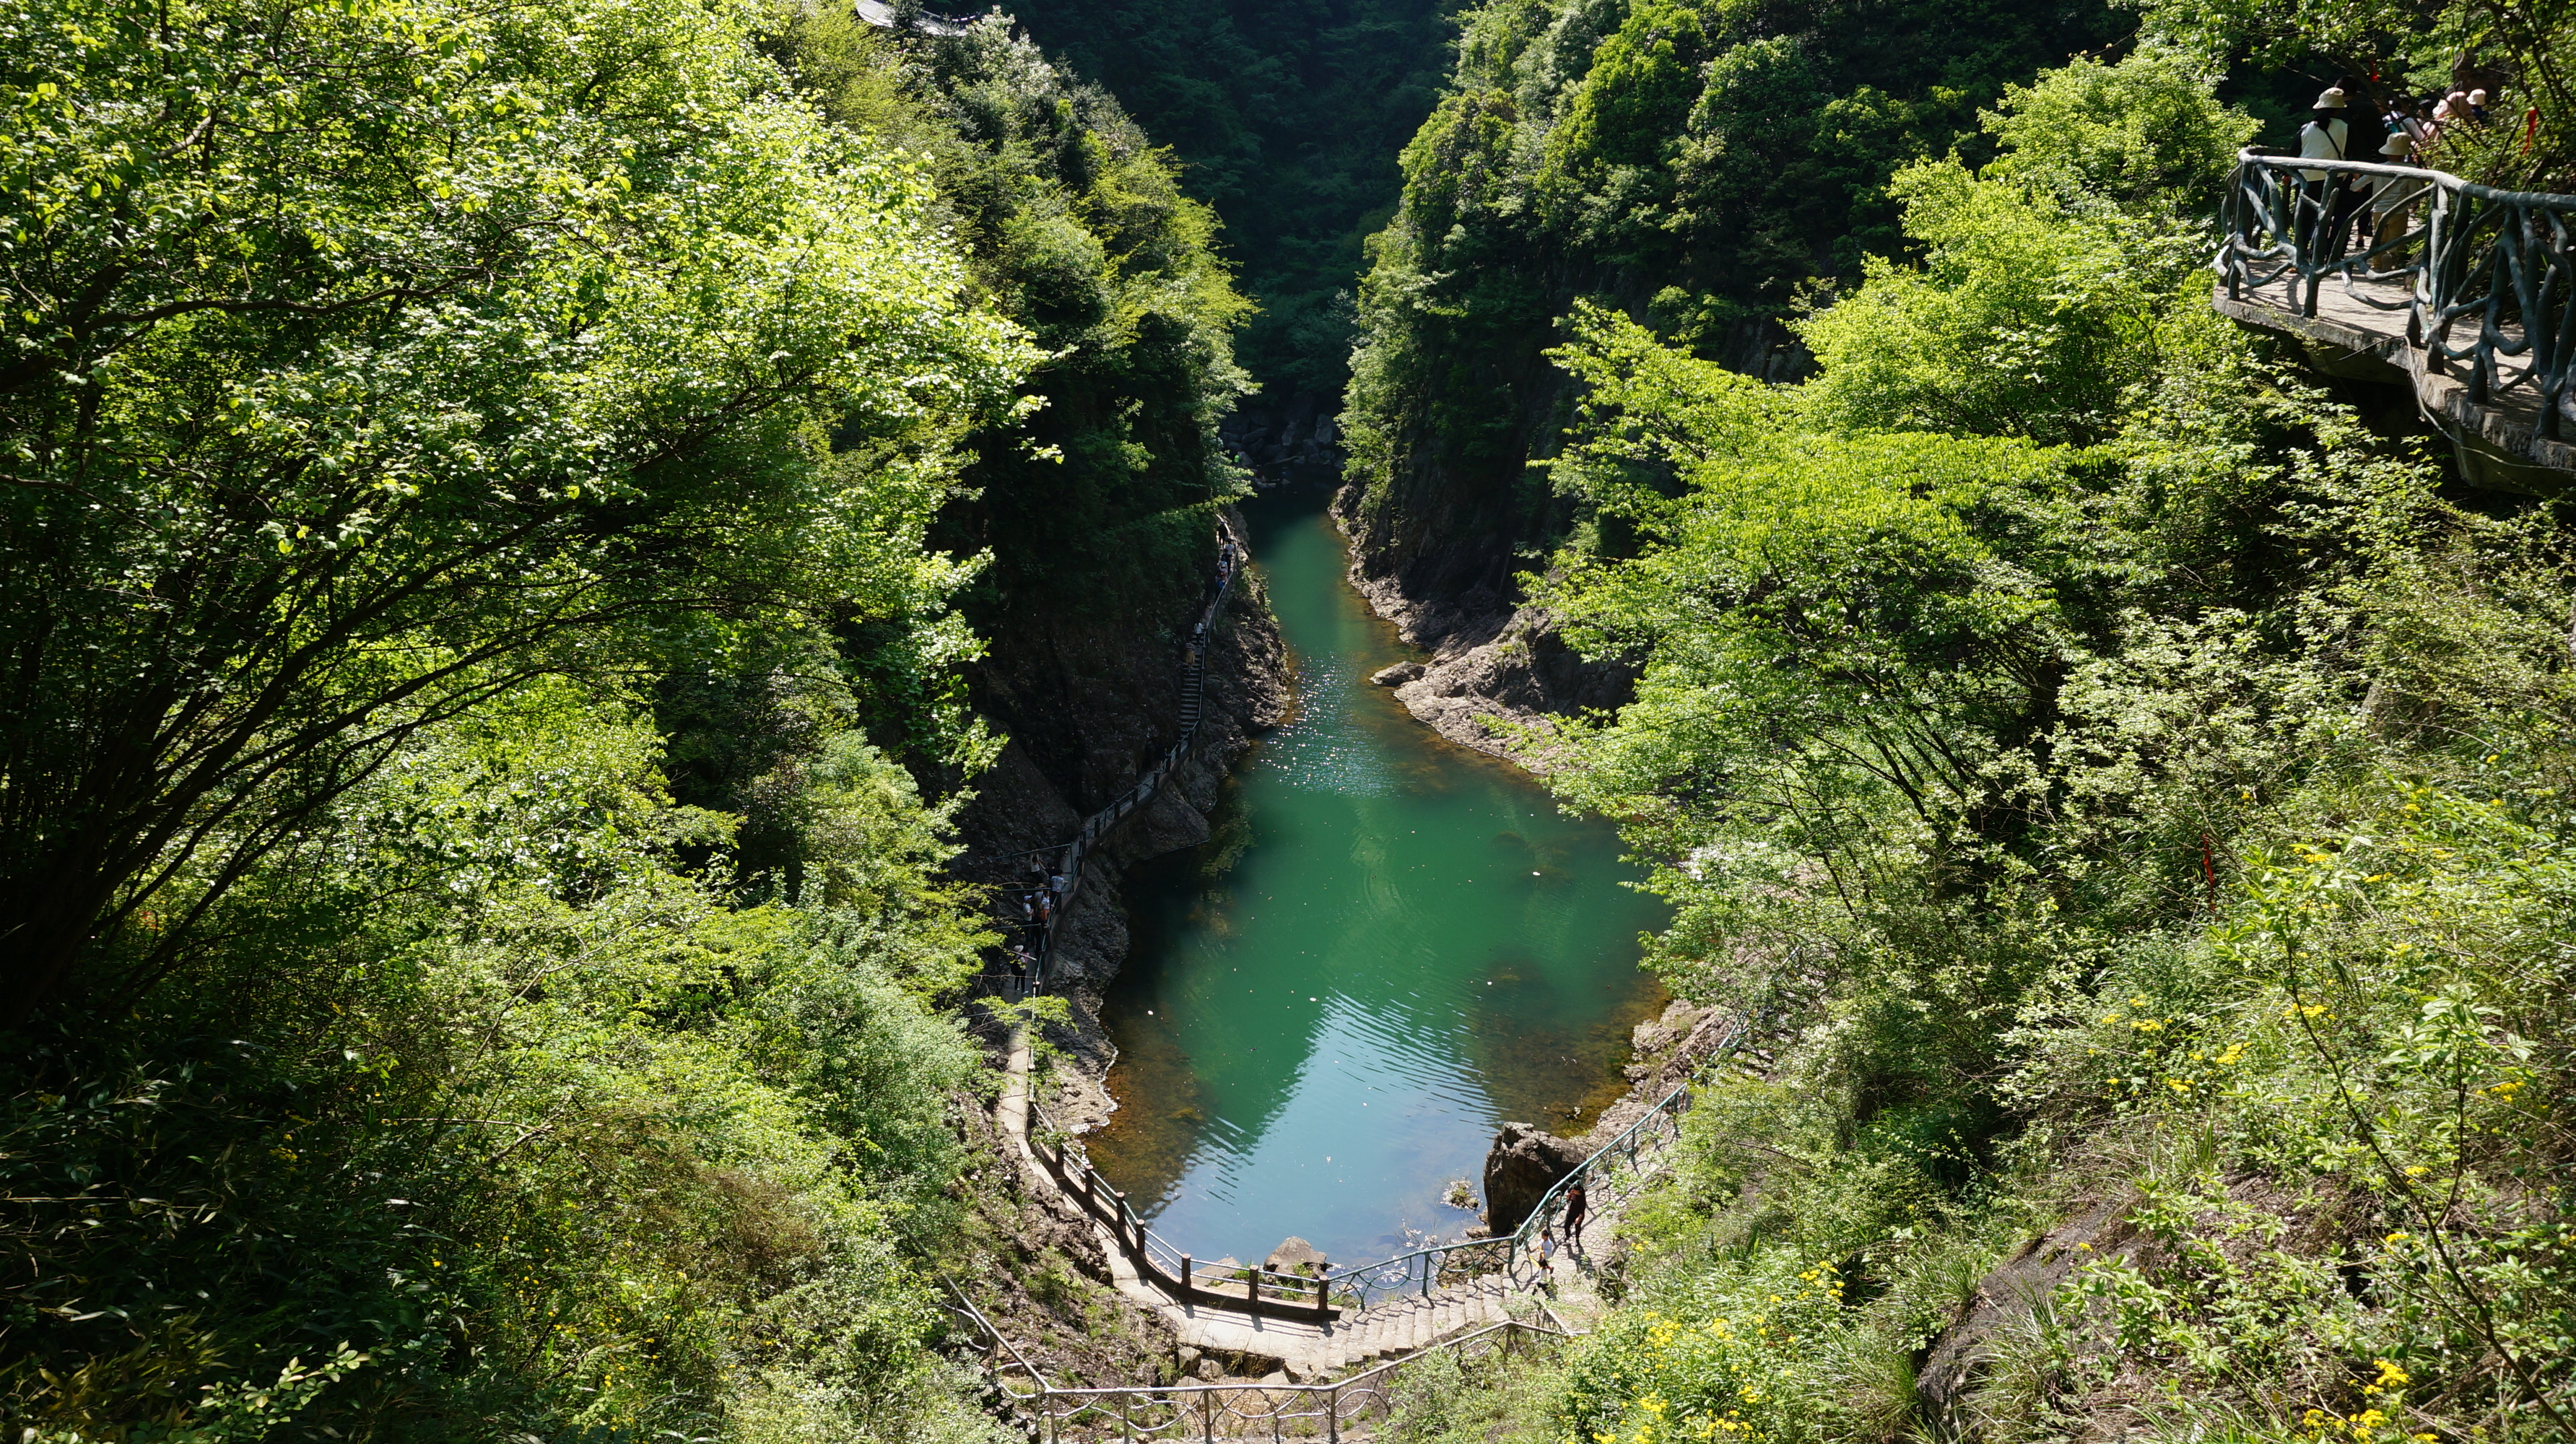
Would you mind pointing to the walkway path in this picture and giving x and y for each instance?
(1308, 1328)
(1077, 853)
(2471, 303)
(2367, 318)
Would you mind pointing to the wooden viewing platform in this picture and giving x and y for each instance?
(2472, 306)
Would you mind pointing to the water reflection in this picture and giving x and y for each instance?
(1389, 945)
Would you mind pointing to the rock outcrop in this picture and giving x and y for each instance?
(1958, 1357)
(1287, 439)
(1520, 1168)
(1294, 1256)
(1498, 685)
(1090, 702)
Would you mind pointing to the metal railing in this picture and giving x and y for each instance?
(1253, 1289)
(1230, 561)
(1610, 1174)
(2485, 278)
(1206, 1412)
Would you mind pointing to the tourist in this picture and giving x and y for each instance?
(1546, 1257)
(2391, 197)
(2477, 102)
(2326, 199)
(2416, 119)
(1576, 1206)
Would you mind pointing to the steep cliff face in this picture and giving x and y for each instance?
(1288, 439)
(1437, 541)
(1448, 509)
(1090, 700)
(1699, 167)
(1096, 511)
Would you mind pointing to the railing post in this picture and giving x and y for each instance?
(1333, 1415)
(1187, 1264)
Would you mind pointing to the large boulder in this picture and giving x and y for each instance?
(1960, 1356)
(1520, 1168)
(1294, 1256)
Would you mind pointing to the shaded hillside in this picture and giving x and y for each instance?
(1286, 118)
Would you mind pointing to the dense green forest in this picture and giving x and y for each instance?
(1717, 171)
(2129, 792)
(507, 510)
(1705, 166)
(1287, 118)
(500, 507)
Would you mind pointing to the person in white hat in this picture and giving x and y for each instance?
(2326, 200)
(2391, 197)
(2477, 107)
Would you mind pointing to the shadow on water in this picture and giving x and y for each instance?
(1388, 945)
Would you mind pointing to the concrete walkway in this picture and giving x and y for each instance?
(1304, 1350)
(2362, 330)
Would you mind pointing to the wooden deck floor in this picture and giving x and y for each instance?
(2361, 322)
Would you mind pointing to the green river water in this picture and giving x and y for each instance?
(1391, 944)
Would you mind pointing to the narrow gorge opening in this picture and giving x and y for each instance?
(1391, 944)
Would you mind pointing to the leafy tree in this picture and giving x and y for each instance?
(489, 1114)
(365, 362)
(2130, 807)
(1699, 166)
(2145, 135)
(2039, 307)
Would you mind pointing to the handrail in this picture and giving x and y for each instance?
(1169, 1269)
(1230, 561)
(2500, 264)
(1469, 1337)
(1173, 1270)
(1365, 1279)
(1183, 1411)
(967, 1306)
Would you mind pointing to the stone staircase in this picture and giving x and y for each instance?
(1396, 1328)
(1304, 1350)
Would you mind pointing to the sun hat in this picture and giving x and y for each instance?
(2332, 99)
(2477, 97)
(2396, 144)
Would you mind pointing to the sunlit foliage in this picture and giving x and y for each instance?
(2122, 790)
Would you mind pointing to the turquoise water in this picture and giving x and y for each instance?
(1390, 945)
